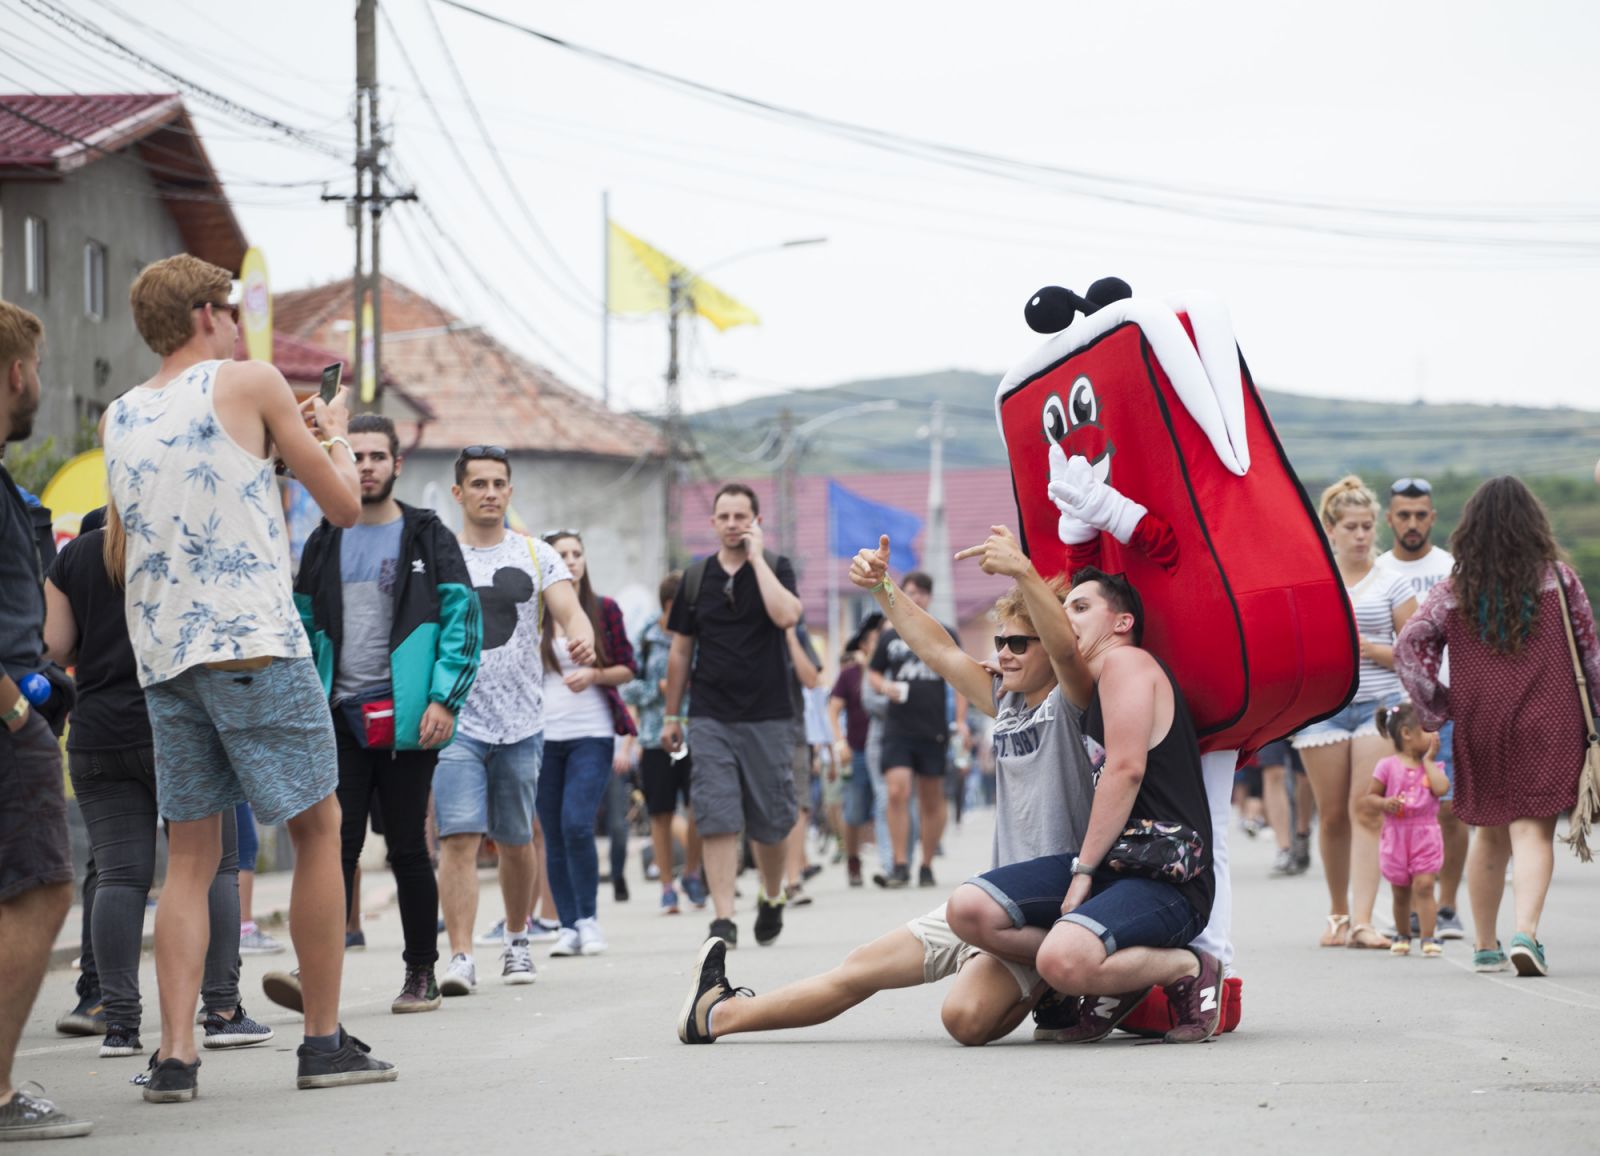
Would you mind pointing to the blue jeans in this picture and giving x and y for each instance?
(575, 775)
(859, 796)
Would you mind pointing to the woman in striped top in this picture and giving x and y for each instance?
(1340, 752)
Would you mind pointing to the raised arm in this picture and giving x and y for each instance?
(923, 633)
(328, 474)
(781, 602)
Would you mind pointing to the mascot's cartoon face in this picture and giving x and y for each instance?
(1155, 398)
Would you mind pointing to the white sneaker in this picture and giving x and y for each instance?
(590, 939)
(517, 963)
(567, 943)
(460, 977)
(541, 932)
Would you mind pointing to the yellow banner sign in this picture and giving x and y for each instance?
(255, 307)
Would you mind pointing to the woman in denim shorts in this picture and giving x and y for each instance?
(1340, 752)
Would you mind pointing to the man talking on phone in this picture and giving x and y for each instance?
(728, 625)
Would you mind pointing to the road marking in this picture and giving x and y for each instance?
(1530, 989)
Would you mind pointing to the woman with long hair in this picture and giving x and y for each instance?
(111, 761)
(1340, 752)
(1520, 727)
(583, 716)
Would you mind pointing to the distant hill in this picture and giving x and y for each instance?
(1325, 437)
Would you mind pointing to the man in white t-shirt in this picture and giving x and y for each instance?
(487, 779)
(1415, 558)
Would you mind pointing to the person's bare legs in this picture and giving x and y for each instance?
(519, 883)
(977, 919)
(721, 853)
(316, 919)
(1457, 836)
(897, 781)
(1533, 861)
(1427, 907)
(353, 916)
(247, 894)
(984, 1004)
(1401, 897)
(692, 849)
(890, 961)
(935, 809)
(1365, 828)
(1275, 797)
(661, 841)
(1072, 959)
(28, 927)
(1328, 768)
(794, 854)
(183, 927)
(1486, 882)
(458, 889)
(1305, 805)
(770, 858)
(546, 903)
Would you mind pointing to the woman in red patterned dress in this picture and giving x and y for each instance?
(1520, 731)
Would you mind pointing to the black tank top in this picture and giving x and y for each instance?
(1174, 789)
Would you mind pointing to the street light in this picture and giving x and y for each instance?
(680, 285)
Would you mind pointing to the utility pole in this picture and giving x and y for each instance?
(674, 427)
(936, 550)
(364, 212)
(787, 467)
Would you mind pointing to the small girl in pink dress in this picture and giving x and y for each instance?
(1406, 787)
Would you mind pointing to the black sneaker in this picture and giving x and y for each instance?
(769, 920)
(355, 941)
(350, 1063)
(283, 989)
(31, 1117)
(172, 1081)
(619, 889)
(120, 1041)
(1301, 846)
(1053, 1014)
(419, 994)
(727, 931)
(925, 876)
(900, 878)
(708, 988)
(239, 1032)
(87, 1019)
(1098, 1017)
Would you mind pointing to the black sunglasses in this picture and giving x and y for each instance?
(479, 453)
(1411, 488)
(727, 592)
(220, 307)
(1016, 643)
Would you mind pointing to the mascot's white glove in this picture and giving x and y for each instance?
(1085, 500)
(1071, 529)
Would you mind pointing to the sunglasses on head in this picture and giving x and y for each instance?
(551, 536)
(1016, 643)
(481, 453)
(220, 307)
(1411, 488)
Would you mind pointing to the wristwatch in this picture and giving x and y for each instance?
(1079, 867)
(19, 710)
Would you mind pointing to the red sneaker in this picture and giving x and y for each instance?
(1196, 1002)
(1153, 1019)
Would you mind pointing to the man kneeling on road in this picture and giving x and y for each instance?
(1044, 794)
(1112, 920)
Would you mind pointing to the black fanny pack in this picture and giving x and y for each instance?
(1151, 849)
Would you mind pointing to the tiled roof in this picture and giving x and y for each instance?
(974, 500)
(480, 391)
(302, 363)
(47, 138)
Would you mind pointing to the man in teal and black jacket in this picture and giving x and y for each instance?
(395, 630)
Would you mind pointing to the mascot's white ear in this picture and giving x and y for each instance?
(1219, 355)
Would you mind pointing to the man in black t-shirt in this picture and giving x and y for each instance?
(915, 736)
(741, 725)
(1115, 934)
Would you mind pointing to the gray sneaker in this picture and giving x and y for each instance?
(517, 963)
(1283, 863)
(258, 942)
(28, 1116)
(1449, 926)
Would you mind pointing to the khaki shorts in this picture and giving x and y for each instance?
(943, 954)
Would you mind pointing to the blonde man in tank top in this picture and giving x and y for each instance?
(235, 703)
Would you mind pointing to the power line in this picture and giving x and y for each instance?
(1233, 206)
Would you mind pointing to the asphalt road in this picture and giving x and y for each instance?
(1339, 1051)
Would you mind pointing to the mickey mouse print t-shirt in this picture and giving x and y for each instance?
(507, 702)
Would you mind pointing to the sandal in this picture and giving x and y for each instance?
(1432, 948)
(1338, 933)
(1364, 937)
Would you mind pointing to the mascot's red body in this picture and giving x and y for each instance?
(1144, 417)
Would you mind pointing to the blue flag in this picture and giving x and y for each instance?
(854, 522)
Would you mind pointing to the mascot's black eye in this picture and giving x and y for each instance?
(1055, 419)
(1084, 407)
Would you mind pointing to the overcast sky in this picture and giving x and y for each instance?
(1398, 112)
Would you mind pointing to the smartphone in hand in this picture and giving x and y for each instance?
(332, 376)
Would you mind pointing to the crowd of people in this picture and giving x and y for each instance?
(453, 691)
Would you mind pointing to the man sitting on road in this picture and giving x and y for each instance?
(1090, 929)
(1044, 793)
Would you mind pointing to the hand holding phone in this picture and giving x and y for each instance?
(332, 375)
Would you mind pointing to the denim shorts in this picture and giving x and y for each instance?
(1354, 721)
(858, 796)
(482, 788)
(1447, 758)
(1122, 910)
(225, 737)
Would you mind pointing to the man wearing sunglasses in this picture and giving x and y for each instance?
(1034, 688)
(1411, 516)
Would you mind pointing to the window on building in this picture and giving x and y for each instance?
(94, 280)
(35, 263)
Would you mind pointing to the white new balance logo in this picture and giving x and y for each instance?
(1106, 1006)
(1208, 999)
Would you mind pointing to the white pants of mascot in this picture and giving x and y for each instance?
(1217, 768)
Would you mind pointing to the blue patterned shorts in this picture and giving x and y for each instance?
(225, 737)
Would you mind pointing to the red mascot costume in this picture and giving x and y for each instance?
(1138, 443)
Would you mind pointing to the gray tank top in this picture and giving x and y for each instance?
(1044, 785)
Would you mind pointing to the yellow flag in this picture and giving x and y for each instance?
(256, 307)
(640, 273)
